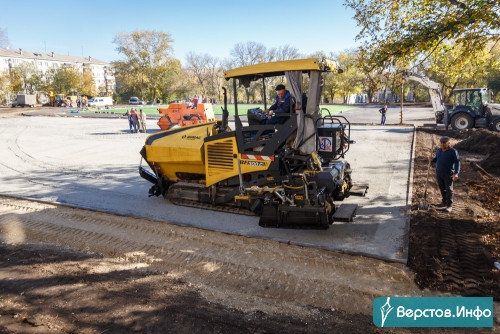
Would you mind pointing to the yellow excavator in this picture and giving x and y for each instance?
(291, 174)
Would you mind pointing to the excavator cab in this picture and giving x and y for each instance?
(469, 108)
(471, 99)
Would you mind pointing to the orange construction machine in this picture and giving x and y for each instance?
(178, 114)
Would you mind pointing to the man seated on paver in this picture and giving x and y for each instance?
(281, 105)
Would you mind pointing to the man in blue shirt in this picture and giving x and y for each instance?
(447, 169)
(281, 105)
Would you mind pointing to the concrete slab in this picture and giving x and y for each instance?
(92, 163)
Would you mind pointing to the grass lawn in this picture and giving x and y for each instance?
(149, 110)
(242, 109)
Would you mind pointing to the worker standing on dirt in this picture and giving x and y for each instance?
(447, 169)
(281, 105)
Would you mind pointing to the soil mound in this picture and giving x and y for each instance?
(482, 141)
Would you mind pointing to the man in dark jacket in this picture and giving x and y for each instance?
(383, 111)
(281, 105)
(447, 169)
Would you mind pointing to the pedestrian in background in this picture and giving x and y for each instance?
(447, 169)
(195, 102)
(135, 120)
(130, 122)
(142, 120)
(383, 111)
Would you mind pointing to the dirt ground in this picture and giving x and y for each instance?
(455, 252)
(66, 270)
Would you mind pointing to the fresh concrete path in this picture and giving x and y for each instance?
(92, 163)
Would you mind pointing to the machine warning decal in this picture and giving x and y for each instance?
(257, 157)
(325, 144)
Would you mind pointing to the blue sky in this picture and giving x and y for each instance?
(87, 28)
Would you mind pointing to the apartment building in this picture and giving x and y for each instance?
(103, 75)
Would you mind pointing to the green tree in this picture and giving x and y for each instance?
(147, 62)
(63, 80)
(16, 82)
(350, 81)
(454, 67)
(27, 77)
(372, 76)
(4, 88)
(174, 84)
(404, 29)
(493, 78)
(87, 85)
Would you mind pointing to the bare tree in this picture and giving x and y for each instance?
(285, 52)
(198, 66)
(215, 77)
(207, 72)
(4, 41)
(248, 54)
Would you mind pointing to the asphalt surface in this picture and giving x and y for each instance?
(91, 162)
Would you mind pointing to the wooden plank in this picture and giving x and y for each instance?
(358, 189)
(345, 212)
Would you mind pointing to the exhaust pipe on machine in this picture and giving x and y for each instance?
(225, 113)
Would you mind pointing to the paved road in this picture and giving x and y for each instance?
(361, 114)
(416, 115)
(92, 163)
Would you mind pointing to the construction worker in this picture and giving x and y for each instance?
(447, 169)
(281, 105)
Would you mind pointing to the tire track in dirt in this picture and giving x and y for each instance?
(448, 253)
(241, 272)
(462, 256)
(464, 259)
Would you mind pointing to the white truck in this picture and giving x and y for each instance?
(24, 100)
(101, 101)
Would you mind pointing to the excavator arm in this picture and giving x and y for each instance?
(435, 94)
